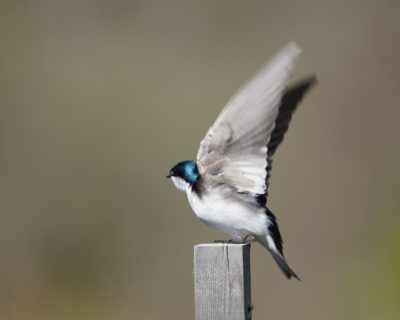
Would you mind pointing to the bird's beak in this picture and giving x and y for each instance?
(168, 176)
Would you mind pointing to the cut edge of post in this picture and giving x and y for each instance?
(222, 244)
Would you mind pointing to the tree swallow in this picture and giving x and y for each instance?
(227, 185)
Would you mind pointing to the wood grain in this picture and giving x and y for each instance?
(222, 281)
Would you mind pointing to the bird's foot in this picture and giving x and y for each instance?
(248, 239)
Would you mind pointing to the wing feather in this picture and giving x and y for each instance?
(234, 150)
(291, 99)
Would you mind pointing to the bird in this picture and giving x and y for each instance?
(227, 184)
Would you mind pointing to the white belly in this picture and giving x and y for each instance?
(231, 216)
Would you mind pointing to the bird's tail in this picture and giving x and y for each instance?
(282, 263)
(273, 242)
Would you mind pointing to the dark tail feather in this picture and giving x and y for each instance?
(280, 260)
(273, 242)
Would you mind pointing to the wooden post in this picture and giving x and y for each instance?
(222, 281)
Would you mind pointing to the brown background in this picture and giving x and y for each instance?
(98, 99)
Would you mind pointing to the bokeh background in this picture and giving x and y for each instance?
(98, 99)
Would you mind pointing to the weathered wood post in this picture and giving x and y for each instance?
(222, 281)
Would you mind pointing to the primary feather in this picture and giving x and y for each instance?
(289, 103)
(235, 147)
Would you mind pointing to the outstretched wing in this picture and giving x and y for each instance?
(291, 99)
(234, 150)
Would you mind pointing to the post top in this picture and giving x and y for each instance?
(201, 245)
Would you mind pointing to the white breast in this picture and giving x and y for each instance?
(180, 184)
(229, 215)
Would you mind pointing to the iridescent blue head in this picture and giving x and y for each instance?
(185, 170)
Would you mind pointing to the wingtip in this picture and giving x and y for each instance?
(304, 84)
(292, 48)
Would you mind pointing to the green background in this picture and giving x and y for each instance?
(98, 99)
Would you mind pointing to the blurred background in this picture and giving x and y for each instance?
(98, 99)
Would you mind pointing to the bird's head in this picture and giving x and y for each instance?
(184, 174)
